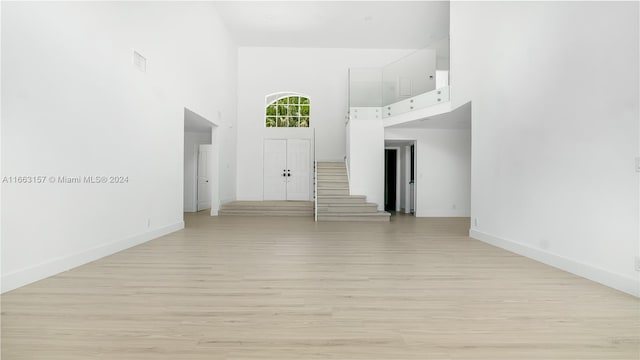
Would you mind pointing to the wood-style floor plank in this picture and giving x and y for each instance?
(288, 288)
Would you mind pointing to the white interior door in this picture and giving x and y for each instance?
(298, 169)
(275, 167)
(204, 175)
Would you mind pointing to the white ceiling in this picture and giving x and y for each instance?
(336, 24)
(459, 118)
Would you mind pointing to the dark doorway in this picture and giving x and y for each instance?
(412, 161)
(390, 167)
(412, 180)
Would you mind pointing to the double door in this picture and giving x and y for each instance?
(287, 170)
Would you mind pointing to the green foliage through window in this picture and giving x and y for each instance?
(288, 111)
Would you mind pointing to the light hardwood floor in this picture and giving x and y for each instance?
(289, 288)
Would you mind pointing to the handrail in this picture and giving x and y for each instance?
(315, 177)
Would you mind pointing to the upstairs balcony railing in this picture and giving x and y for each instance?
(416, 81)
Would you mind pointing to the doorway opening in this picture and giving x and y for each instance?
(390, 180)
(412, 179)
(200, 164)
(400, 176)
(203, 174)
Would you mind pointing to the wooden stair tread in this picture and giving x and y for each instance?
(267, 208)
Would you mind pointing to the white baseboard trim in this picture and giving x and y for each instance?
(56, 266)
(441, 213)
(617, 281)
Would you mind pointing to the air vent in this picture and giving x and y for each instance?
(139, 61)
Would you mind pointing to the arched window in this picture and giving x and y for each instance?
(287, 110)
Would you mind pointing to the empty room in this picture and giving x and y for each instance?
(373, 180)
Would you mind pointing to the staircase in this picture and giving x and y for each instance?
(334, 201)
(267, 208)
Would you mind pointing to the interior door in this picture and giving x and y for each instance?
(204, 176)
(298, 169)
(275, 169)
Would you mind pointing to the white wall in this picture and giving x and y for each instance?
(1, 187)
(366, 160)
(443, 52)
(365, 87)
(555, 130)
(320, 73)
(192, 140)
(443, 170)
(74, 105)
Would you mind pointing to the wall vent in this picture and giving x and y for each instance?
(139, 61)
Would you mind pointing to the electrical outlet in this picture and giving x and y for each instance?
(637, 263)
(475, 222)
(148, 222)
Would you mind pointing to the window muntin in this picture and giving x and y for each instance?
(290, 110)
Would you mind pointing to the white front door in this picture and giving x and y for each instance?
(204, 186)
(287, 169)
(275, 168)
(298, 169)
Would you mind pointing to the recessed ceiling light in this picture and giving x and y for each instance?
(368, 18)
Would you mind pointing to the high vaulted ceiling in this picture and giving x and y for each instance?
(336, 24)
